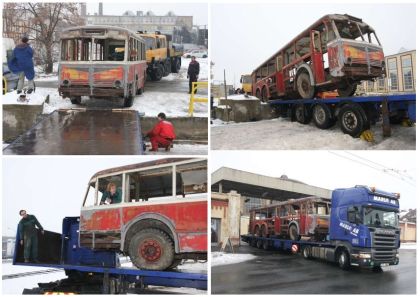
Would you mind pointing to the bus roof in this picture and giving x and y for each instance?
(293, 201)
(142, 165)
(340, 17)
(66, 33)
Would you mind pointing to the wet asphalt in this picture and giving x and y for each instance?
(272, 272)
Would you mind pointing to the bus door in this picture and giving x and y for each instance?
(317, 62)
(279, 74)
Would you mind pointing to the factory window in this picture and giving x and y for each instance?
(393, 74)
(381, 84)
(407, 72)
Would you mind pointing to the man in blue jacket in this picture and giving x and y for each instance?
(23, 65)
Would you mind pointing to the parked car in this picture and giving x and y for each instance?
(10, 79)
(196, 53)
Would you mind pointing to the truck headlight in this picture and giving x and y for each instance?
(365, 256)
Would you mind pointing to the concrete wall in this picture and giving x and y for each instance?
(230, 215)
(186, 128)
(244, 225)
(18, 118)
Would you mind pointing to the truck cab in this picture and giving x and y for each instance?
(365, 222)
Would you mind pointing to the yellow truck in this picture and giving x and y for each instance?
(246, 81)
(162, 56)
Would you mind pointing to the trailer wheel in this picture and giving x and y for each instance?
(302, 115)
(76, 100)
(353, 119)
(266, 245)
(347, 90)
(343, 259)
(293, 232)
(304, 87)
(151, 249)
(322, 116)
(307, 252)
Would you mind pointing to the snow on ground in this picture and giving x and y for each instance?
(408, 246)
(219, 258)
(173, 104)
(283, 134)
(182, 75)
(182, 149)
(241, 97)
(15, 286)
(31, 99)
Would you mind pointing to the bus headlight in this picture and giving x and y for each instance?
(117, 84)
(349, 60)
(65, 83)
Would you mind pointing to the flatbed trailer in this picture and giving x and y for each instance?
(353, 114)
(95, 272)
(82, 131)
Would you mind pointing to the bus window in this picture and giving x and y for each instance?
(105, 187)
(279, 63)
(289, 55)
(193, 178)
(302, 47)
(150, 43)
(271, 67)
(90, 195)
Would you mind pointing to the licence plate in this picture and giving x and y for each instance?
(384, 264)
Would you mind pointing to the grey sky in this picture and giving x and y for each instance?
(244, 35)
(197, 10)
(324, 169)
(50, 187)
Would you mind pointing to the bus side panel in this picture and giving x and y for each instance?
(192, 242)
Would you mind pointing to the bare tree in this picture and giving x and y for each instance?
(45, 21)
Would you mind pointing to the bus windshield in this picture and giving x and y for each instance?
(380, 218)
(91, 49)
(355, 31)
(150, 42)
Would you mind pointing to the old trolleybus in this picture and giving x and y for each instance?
(337, 52)
(101, 61)
(159, 218)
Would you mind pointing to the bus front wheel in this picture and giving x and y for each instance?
(304, 87)
(347, 90)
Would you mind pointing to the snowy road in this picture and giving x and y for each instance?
(282, 134)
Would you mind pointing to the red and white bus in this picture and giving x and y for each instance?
(292, 219)
(100, 62)
(336, 52)
(159, 218)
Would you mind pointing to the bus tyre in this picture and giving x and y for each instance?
(307, 252)
(259, 243)
(353, 119)
(264, 95)
(258, 94)
(76, 100)
(302, 115)
(347, 90)
(304, 87)
(151, 249)
(322, 116)
(293, 232)
(343, 259)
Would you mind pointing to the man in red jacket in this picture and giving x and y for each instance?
(162, 134)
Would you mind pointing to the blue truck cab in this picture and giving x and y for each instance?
(364, 225)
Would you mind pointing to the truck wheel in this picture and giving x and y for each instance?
(176, 65)
(304, 87)
(302, 115)
(322, 116)
(344, 260)
(76, 100)
(293, 232)
(151, 249)
(347, 90)
(157, 73)
(353, 119)
(307, 252)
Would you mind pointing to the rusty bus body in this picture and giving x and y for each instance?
(293, 218)
(161, 219)
(336, 52)
(101, 61)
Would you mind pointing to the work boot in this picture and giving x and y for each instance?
(30, 91)
(168, 148)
